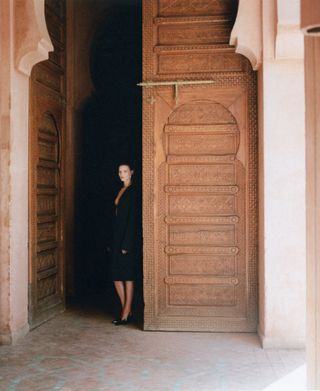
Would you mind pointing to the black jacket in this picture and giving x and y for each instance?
(125, 221)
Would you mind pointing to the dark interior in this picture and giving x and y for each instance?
(111, 128)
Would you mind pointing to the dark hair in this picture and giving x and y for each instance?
(126, 163)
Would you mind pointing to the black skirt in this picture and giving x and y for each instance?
(123, 266)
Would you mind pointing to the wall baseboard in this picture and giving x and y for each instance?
(280, 342)
(13, 337)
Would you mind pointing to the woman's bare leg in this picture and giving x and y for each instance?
(119, 285)
(129, 290)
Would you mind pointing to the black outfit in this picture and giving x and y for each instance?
(123, 266)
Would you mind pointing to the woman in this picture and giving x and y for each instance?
(123, 268)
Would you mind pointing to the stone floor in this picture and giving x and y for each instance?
(82, 351)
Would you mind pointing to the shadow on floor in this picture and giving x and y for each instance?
(106, 304)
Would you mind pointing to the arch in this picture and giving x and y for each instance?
(310, 17)
(246, 34)
(202, 112)
(31, 41)
(207, 112)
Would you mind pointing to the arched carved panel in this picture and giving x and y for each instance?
(202, 113)
(202, 129)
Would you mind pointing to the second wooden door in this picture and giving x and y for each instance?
(200, 171)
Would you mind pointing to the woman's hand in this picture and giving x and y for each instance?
(124, 252)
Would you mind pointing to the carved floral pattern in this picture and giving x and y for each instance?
(46, 260)
(208, 295)
(204, 265)
(200, 62)
(47, 287)
(202, 112)
(201, 189)
(202, 204)
(202, 33)
(204, 174)
(201, 235)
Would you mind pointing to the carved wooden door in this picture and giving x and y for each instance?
(46, 174)
(200, 171)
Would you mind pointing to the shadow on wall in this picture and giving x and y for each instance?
(111, 132)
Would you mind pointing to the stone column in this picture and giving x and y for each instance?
(268, 33)
(282, 194)
(312, 52)
(24, 41)
(4, 171)
(310, 23)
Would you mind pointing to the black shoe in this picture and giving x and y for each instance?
(120, 322)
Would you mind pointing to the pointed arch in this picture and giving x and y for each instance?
(246, 34)
(31, 41)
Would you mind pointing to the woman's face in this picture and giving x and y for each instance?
(125, 173)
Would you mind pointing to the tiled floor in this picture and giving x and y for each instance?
(82, 351)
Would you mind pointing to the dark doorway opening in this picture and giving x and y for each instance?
(110, 133)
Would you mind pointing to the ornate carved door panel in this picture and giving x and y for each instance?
(200, 171)
(46, 174)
